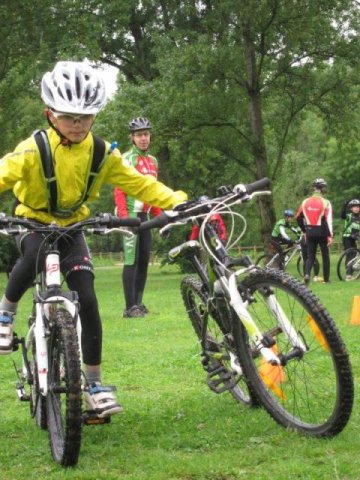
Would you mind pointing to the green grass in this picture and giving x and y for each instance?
(173, 426)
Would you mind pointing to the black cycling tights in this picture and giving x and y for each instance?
(312, 243)
(134, 276)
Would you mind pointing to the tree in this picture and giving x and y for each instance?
(227, 82)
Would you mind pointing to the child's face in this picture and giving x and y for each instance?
(73, 127)
(355, 209)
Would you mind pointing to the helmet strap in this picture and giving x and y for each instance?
(63, 140)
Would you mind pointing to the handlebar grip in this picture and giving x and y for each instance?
(124, 222)
(261, 184)
(157, 222)
(111, 221)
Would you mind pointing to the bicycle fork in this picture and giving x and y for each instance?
(263, 343)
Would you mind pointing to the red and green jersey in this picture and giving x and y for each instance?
(143, 162)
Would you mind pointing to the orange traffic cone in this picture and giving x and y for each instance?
(273, 375)
(355, 311)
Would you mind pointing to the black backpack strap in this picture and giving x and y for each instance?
(42, 142)
(98, 156)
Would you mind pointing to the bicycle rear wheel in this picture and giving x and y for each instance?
(349, 264)
(311, 391)
(63, 401)
(219, 354)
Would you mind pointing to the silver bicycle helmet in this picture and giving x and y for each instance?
(139, 123)
(354, 203)
(73, 87)
(319, 183)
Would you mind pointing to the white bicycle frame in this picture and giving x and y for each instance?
(43, 311)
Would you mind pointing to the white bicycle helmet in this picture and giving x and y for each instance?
(73, 87)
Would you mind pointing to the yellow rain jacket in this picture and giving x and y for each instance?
(22, 172)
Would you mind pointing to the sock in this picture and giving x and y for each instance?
(8, 306)
(93, 376)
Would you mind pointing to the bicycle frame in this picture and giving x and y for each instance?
(287, 255)
(40, 329)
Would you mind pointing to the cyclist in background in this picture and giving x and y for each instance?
(216, 221)
(314, 217)
(73, 93)
(137, 249)
(280, 235)
(350, 212)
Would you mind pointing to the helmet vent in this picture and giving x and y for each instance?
(74, 87)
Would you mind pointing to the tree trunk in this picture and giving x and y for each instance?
(266, 204)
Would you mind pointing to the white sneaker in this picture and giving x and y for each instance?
(6, 332)
(101, 400)
(316, 278)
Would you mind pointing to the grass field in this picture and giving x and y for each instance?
(173, 426)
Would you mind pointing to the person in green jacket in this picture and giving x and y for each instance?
(350, 212)
(280, 235)
(73, 93)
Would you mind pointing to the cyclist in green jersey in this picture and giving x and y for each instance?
(280, 234)
(350, 212)
(137, 249)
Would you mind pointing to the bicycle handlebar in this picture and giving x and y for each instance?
(258, 185)
(192, 208)
(100, 222)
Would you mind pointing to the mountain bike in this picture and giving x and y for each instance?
(282, 261)
(51, 353)
(266, 334)
(348, 266)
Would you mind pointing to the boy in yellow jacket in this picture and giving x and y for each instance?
(74, 94)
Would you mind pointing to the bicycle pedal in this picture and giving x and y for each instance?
(16, 342)
(90, 417)
(22, 395)
(219, 379)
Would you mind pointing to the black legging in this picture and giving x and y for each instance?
(134, 276)
(312, 243)
(77, 267)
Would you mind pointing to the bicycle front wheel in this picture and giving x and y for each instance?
(348, 266)
(263, 261)
(63, 401)
(312, 390)
(220, 361)
(37, 401)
